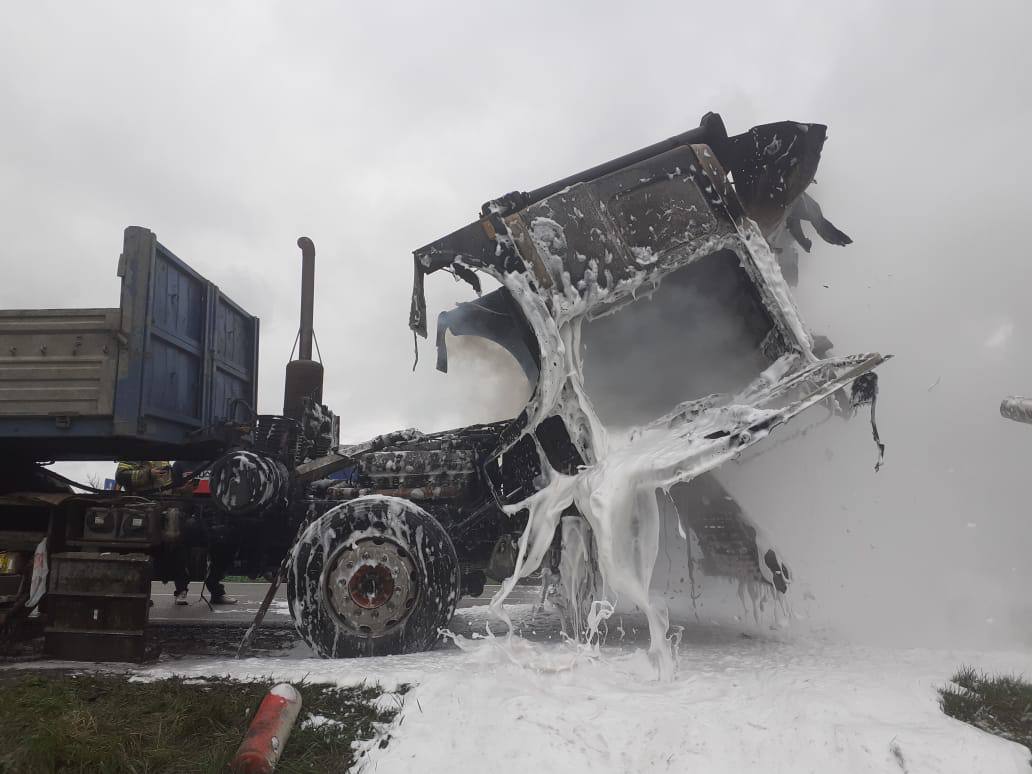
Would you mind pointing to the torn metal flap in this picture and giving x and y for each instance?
(492, 317)
(417, 313)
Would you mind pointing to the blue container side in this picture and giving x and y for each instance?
(187, 361)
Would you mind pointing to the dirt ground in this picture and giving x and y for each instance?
(171, 641)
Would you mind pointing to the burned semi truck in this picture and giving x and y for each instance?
(376, 562)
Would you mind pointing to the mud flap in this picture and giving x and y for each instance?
(40, 571)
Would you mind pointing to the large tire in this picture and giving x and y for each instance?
(374, 576)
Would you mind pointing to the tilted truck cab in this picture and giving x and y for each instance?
(576, 250)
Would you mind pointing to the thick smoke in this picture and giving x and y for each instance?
(488, 384)
(697, 334)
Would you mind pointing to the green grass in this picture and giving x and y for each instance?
(1001, 704)
(52, 722)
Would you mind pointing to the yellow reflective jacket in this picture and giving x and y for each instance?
(138, 476)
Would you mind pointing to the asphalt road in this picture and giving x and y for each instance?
(249, 598)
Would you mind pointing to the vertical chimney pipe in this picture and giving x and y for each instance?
(307, 297)
(304, 376)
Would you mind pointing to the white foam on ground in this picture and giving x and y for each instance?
(765, 703)
(316, 721)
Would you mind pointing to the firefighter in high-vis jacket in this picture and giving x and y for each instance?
(149, 477)
(143, 477)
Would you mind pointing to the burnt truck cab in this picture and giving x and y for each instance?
(377, 541)
(426, 518)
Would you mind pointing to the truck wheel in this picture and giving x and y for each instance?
(373, 577)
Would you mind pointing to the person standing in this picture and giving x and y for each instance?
(148, 477)
(220, 552)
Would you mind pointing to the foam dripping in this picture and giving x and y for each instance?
(610, 549)
(608, 510)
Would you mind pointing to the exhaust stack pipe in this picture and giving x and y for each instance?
(304, 376)
(307, 298)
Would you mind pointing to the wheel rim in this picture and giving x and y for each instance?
(372, 585)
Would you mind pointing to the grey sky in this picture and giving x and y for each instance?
(229, 129)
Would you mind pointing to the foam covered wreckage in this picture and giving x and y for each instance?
(704, 209)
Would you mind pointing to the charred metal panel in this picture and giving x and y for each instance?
(99, 573)
(513, 473)
(472, 246)
(495, 317)
(650, 218)
(711, 131)
(583, 247)
(771, 164)
(726, 536)
(98, 606)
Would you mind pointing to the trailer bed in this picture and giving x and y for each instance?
(160, 376)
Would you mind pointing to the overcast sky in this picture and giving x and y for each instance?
(230, 129)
